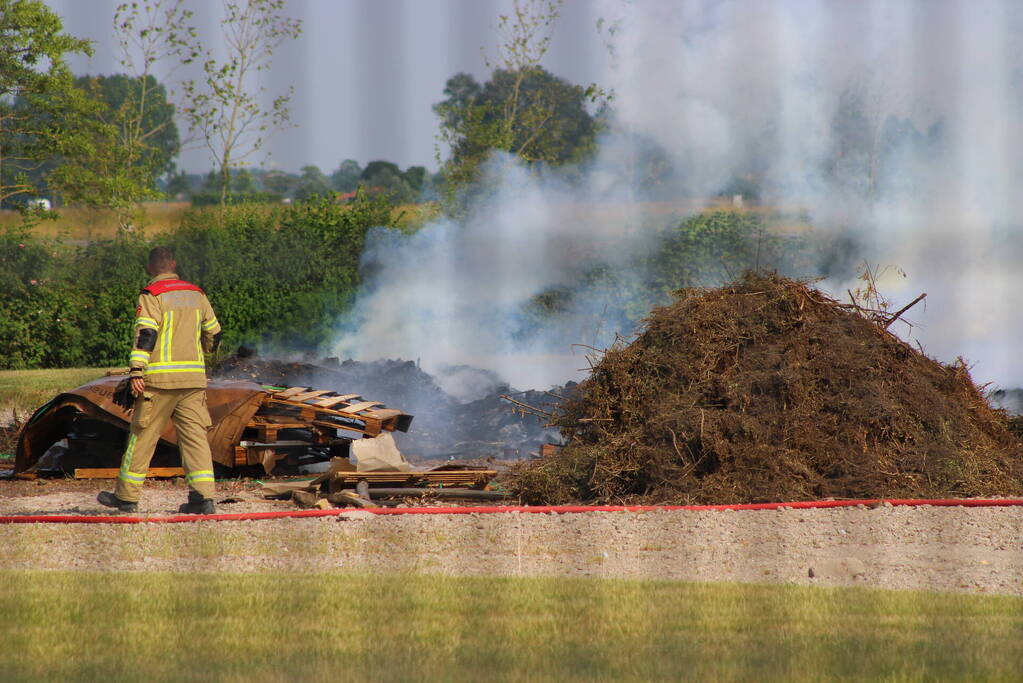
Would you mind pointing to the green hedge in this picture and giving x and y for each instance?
(276, 276)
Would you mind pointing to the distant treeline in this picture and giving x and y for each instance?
(257, 185)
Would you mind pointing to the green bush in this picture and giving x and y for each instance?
(705, 250)
(213, 198)
(276, 277)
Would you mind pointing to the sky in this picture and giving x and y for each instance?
(722, 88)
(365, 72)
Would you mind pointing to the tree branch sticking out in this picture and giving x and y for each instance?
(222, 111)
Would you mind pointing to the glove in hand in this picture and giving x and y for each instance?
(123, 395)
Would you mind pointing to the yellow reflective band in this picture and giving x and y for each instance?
(128, 453)
(164, 368)
(140, 355)
(198, 336)
(130, 476)
(200, 475)
(210, 324)
(168, 335)
(146, 322)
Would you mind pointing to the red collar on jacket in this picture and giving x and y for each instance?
(169, 284)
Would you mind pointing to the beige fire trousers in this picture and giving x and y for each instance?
(191, 418)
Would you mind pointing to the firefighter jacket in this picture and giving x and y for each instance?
(174, 325)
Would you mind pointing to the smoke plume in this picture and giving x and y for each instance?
(893, 126)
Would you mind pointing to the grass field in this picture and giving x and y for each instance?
(275, 626)
(84, 224)
(22, 391)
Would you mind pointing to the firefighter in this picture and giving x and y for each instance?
(174, 325)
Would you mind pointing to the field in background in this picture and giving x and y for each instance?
(293, 626)
(81, 224)
(84, 224)
(22, 391)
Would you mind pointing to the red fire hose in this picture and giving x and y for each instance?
(482, 510)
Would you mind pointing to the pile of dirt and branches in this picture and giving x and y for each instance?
(769, 390)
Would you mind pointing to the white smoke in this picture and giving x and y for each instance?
(922, 173)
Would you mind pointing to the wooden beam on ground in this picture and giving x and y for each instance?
(111, 472)
(477, 478)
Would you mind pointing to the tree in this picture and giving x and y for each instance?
(346, 177)
(523, 109)
(222, 110)
(551, 123)
(42, 114)
(312, 182)
(242, 182)
(416, 177)
(154, 148)
(386, 177)
(280, 182)
(179, 185)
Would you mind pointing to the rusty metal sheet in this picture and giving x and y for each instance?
(231, 403)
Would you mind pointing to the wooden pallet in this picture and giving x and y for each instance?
(327, 415)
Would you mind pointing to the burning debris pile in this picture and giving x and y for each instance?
(444, 427)
(272, 428)
(768, 390)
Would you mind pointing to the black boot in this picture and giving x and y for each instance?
(197, 505)
(111, 501)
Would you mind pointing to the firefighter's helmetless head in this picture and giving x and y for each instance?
(161, 260)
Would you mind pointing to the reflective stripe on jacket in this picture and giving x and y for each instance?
(185, 325)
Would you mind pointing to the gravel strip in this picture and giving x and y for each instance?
(949, 549)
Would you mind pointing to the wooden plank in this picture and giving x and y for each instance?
(334, 400)
(367, 430)
(111, 472)
(382, 414)
(277, 425)
(447, 478)
(356, 407)
(288, 393)
(308, 395)
(301, 411)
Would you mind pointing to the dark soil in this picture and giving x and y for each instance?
(768, 390)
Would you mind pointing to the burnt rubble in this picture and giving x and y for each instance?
(444, 428)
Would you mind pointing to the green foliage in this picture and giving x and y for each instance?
(705, 250)
(42, 114)
(208, 198)
(277, 276)
(151, 131)
(717, 246)
(527, 112)
(346, 177)
(523, 109)
(385, 176)
(232, 120)
(311, 182)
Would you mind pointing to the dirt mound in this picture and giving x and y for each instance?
(768, 390)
